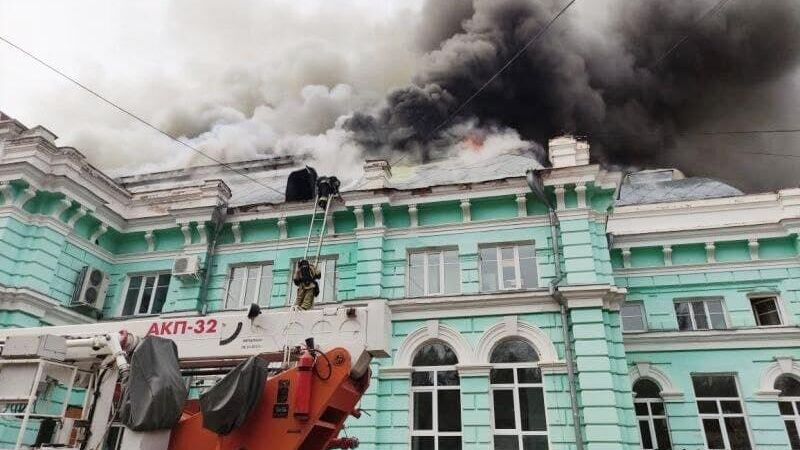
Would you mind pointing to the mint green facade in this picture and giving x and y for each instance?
(47, 235)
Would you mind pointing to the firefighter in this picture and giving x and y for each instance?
(305, 278)
(327, 187)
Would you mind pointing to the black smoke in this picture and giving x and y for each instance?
(606, 74)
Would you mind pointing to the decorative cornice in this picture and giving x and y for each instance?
(783, 365)
(707, 267)
(473, 370)
(39, 305)
(647, 370)
(395, 373)
(777, 337)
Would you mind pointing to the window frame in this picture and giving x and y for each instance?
(795, 404)
(642, 313)
(320, 300)
(442, 278)
(144, 276)
(650, 418)
(782, 317)
(719, 415)
(498, 246)
(242, 294)
(704, 301)
(433, 389)
(515, 387)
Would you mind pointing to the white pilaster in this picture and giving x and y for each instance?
(412, 214)
(359, 213)
(560, 204)
(752, 244)
(667, 251)
(330, 225)
(283, 233)
(201, 230)
(580, 189)
(466, 210)
(377, 212)
(236, 228)
(711, 252)
(626, 257)
(522, 205)
(187, 234)
(150, 238)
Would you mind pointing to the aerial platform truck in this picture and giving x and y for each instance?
(289, 378)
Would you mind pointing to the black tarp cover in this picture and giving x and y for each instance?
(155, 393)
(228, 403)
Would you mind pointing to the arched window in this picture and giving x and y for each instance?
(436, 396)
(517, 397)
(789, 404)
(651, 415)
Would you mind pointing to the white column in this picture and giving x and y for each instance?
(236, 228)
(626, 257)
(150, 238)
(522, 205)
(101, 230)
(412, 214)
(187, 234)
(667, 250)
(377, 212)
(560, 204)
(580, 189)
(359, 213)
(283, 233)
(201, 230)
(63, 205)
(752, 244)
(466, 210)
(77, 216)
(711, 252)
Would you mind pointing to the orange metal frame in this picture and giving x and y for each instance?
(332, 401)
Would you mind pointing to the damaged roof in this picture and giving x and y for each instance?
(662, 186)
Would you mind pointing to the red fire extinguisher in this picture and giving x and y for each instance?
(302, 392)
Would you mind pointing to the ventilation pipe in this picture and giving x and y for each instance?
(537, 187)
(217, 221)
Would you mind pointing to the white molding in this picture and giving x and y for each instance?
(39, 305)
(5, 191)
(101, 230)
(473, 370)
(647, 370)
(394, 373)
(707, 267)
(24, 196)
(510, 327)
(658, 341)
(63, 205)
(81, 211)
(466, 305)
(783, 365)
(423, 335)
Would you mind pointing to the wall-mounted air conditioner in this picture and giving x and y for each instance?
(91, 288)
(186, 266)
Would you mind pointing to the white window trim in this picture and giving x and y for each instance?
(517, 266)
(782, 316)
(704, 301)
(124, 293)
(322, 280)
(442, 271)
(229, 280)
(650, 418)
(719, 415)
(643, 312)
(794, 417)
(434, 431)
(514, 387)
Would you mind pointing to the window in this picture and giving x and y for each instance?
(651, 416)
(765, 310)
(632, 316)
(700, 314)
(721, 412)
(505, 267)
(518, 410)
(114, 437)
(327, 282)
(433, 272)
(146, 294)
(249, 284)
(789, 404)
(436, 397)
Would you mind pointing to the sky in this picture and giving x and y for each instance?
(242, 77)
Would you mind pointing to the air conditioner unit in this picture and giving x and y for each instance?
(91, 288)
(186, 266)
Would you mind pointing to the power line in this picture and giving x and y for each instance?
(134, 116)
(714, 10)
(505, 66)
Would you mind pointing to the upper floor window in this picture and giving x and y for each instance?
(721, 412)
(507, 267)
(248, 284)
(632, 316)
(766, 311)
(146, 294)
(789, 404)
(327, 281)
(651, 416)
(700, 314)
(518, 409)
(433, 272)
(436, 399)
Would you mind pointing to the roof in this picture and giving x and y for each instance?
(662, 186)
